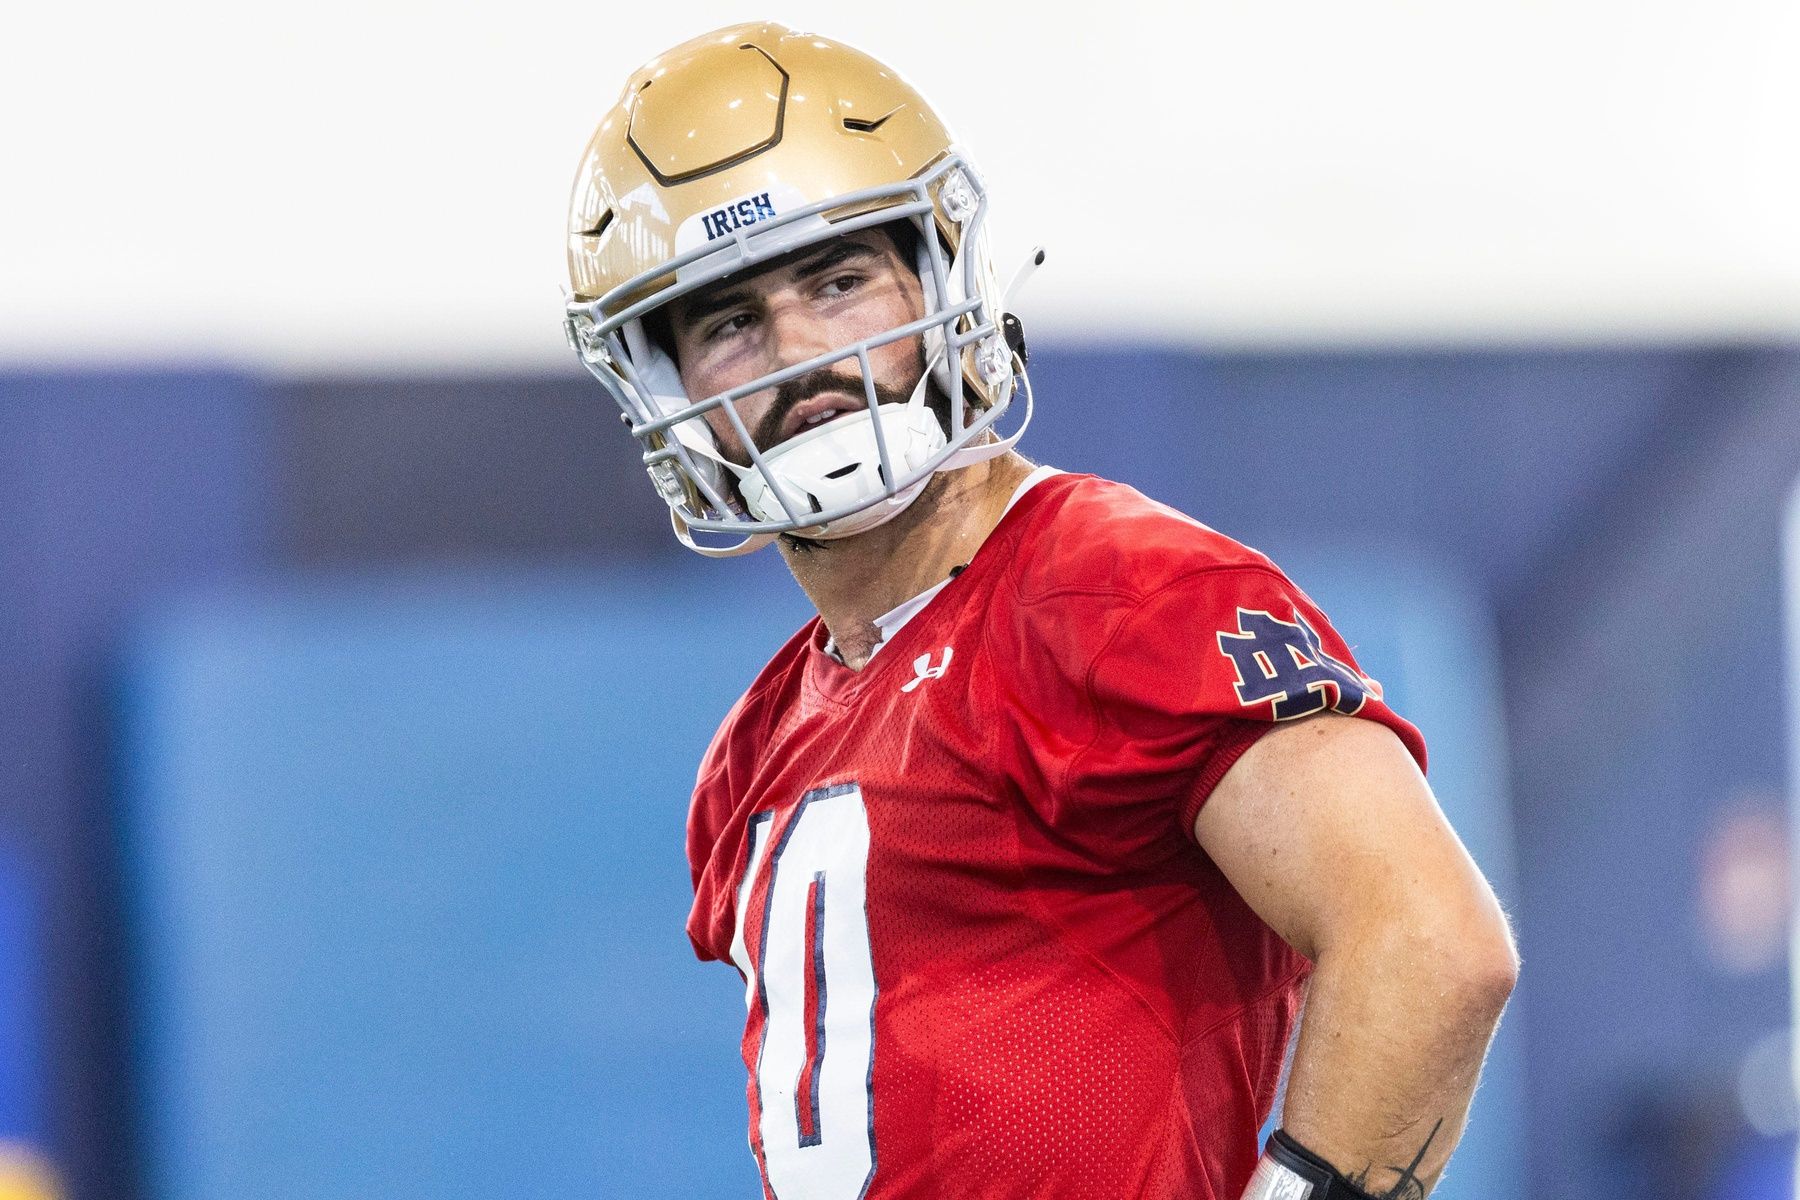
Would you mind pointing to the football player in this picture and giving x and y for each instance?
(1029, 845)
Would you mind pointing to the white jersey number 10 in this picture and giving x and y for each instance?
(815, 984)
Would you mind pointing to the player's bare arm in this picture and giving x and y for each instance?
(1329, 831)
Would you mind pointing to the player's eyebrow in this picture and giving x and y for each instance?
(839, 252)
(697, 310)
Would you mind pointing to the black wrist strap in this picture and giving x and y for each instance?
(1326, 1183)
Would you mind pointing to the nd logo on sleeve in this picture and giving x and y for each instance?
(1284, 661)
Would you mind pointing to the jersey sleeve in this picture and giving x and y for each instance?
(716, 833)
(710, 800)
(1192, 674)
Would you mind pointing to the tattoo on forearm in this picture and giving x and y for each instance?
(1408, 1186)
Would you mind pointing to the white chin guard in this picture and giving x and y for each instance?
(838, 464)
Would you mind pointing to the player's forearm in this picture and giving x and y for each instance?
(1397, 1021)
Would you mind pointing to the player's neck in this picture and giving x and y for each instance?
(853, 580)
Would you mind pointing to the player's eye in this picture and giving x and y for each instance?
(842, 285)
(735, 323)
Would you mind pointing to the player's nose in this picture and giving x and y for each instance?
(796, 334)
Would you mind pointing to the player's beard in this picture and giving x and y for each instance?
(795, 392)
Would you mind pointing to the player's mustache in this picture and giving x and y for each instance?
(795, 392)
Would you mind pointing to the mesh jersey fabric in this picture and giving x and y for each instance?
(984, 957)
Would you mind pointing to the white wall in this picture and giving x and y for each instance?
(342, 185)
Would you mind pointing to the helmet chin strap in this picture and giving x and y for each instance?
(968, 456)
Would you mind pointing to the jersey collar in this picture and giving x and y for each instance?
(890, 622)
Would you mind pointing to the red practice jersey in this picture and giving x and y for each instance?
(984, 957)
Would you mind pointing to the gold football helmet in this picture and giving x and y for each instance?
(733, 149)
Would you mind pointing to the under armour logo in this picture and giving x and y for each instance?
(924, 670)
(1284, 661)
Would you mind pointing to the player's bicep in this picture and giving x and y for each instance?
(1326, 826)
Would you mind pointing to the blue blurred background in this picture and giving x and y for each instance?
(350, 723)
(351, 685)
